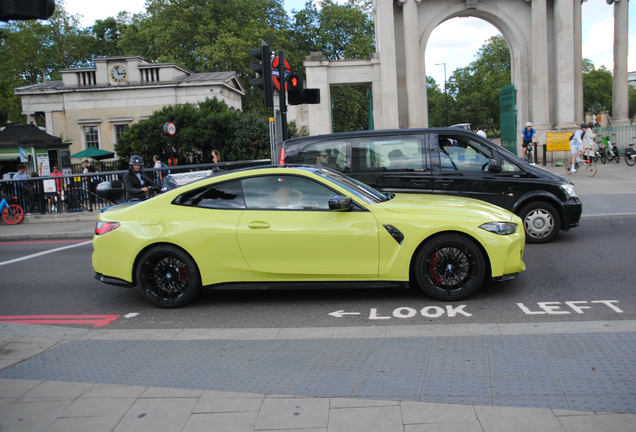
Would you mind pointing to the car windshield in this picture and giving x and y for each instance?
(359, 189)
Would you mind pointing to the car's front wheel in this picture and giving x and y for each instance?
(168, 277)
(541, 222)
(449, 267)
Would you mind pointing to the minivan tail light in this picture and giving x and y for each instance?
(282, 156)
(105, 227)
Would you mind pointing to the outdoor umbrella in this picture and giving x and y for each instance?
(94, 153)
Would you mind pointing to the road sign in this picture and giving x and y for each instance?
(170, 128)
(275, 73)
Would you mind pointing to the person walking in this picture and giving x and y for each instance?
(526, 138)
(481, 132)
(159, 173)
(576, 145)
(21, 190)
(216, 158)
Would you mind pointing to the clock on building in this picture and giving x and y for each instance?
(118, 73)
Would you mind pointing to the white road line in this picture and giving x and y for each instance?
(131, 315)
(44, 253)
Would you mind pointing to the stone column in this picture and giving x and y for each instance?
(540, 86)
(620, 94)
(388, 64)
(319, 115)
(412, 53)
(48, 117)
(564, 82)
(579, 114)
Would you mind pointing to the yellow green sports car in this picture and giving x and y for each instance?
(302, 227)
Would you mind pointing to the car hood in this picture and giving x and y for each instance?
(429, 203)
(543, 173)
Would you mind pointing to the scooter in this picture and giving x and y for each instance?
(611, 150)
(630, 155)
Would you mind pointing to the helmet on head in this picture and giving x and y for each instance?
(529, 124)
(135, 160)
(583, 125)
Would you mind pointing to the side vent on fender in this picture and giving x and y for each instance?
(395, 233)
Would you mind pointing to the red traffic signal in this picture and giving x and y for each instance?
(294, 82)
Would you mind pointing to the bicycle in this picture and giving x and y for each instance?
(630, 154)
(12, 214)
(590, 167)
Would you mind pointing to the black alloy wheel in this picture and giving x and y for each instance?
(168, 277)
(450, 267)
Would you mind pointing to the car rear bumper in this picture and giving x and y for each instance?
(113, 281)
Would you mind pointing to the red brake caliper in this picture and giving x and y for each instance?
(432, 269)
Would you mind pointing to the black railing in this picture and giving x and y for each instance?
(76, 193)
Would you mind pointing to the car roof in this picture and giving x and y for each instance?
(379, 132)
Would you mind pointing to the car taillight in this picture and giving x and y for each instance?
(105, 227)
(282, 156)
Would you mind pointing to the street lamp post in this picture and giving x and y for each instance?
(445, 93)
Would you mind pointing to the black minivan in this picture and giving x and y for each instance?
(448, 161)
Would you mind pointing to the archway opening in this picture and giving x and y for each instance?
(467, 63)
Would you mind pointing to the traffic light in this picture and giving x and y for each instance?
(263, 71)
(297, 95)
(21, 10)
(294, 89)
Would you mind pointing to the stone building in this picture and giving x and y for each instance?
(92, 107)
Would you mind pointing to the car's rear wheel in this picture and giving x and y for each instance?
(168, 277)
(449, 267)
(541, 222)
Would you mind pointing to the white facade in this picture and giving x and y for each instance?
(91, 106)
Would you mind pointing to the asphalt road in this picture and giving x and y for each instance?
(585, 275)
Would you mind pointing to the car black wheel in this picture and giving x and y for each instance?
(449, 267)
(168, 277)
(541, 222)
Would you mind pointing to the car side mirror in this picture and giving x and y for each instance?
(340, 203)
(494, 166)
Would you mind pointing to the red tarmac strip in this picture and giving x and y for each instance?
(97, 320)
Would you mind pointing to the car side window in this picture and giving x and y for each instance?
(509, 167)
(458, 153)
(396, 153)
(285, 193)
(227, 195)
(331, 154)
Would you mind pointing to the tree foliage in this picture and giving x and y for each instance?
(474, 90)
(200, 129)
(597, 87)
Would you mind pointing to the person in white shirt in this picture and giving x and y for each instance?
(481, 132)
(576, 145)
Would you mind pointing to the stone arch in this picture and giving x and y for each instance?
(512, 33)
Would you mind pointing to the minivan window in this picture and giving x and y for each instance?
(331, 154)
(384, 153)
(458, 153)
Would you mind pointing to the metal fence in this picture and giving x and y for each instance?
(76, 193)
(622, 136)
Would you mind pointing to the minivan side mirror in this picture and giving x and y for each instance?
(494, 166)
(340, 203)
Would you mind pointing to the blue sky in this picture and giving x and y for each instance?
(448, 43)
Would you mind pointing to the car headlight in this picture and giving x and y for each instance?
(501, 228)
(569, 189)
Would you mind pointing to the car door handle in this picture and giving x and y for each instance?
(445, 182)
(258, 224)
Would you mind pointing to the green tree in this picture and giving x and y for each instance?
(251, 138)
(632, 102)
(107, 35)
(200, 128)
(475, 89)
(351, 111)
(33, 51)
(597, 88)
(436, 103)
(207, 36)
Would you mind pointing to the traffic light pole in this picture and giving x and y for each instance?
(283, 103)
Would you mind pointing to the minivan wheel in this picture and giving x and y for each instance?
(449, 267)
(541, 222)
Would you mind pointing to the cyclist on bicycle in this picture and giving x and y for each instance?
(526, 138)
(136, 183)
(576, 145)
